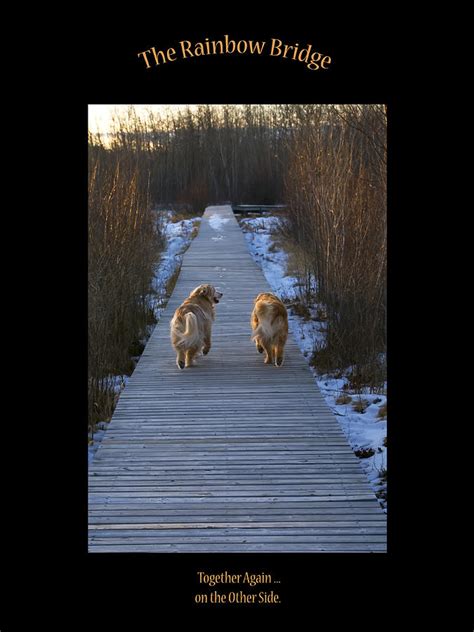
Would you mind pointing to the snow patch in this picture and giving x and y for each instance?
(217, 221)
(178, 236)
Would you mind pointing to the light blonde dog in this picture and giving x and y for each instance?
(191, 325)
(269, 321)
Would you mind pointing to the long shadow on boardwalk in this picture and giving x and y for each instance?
(231, 455)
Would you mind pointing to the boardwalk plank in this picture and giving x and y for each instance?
(231, 455)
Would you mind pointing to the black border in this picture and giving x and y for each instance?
(104, 69)
(357, 74)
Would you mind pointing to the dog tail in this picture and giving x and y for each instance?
(267, 330)
(263, 330)
(279, 323)
(190, 336)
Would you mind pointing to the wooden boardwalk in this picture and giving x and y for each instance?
(231, 455)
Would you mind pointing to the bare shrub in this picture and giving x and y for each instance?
(336, 192)
(123, 245)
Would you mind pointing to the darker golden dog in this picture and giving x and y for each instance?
(269, 321)
(192, 323)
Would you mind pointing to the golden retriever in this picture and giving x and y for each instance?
(269, 321)
(191, 325)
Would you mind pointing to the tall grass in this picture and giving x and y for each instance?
(123, 246)
(336, 192)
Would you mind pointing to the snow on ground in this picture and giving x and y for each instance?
(365, 431)
(118, 383)
(95, 439)
(177, 236)
(217, 221)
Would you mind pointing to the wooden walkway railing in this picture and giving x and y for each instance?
(231, 455)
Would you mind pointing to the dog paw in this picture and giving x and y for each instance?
(259, 349)
(278, 361)
(206, 351)
(180, 364)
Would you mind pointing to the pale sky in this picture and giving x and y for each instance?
(100, 115)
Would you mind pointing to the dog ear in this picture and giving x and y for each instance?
(206, 290)
(198, 291)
